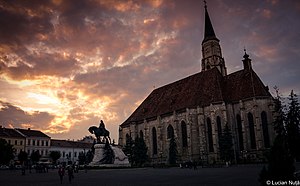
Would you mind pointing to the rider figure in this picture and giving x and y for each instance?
(101, 125)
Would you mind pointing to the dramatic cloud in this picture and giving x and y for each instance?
(66, 64)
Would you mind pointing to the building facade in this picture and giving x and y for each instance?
(196, 109)
(35, 141)
(13, 138)
(69, 150)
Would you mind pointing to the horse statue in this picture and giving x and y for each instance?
(100, 131)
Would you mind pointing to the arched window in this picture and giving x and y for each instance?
(240, 131)
(184, 134)
(251, 131)
(264, 121)
(154, 140)
(141, 134)
(219, 126)
(170, 132)
(127, 137)
(209, 135)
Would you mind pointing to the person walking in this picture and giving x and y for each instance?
(70, 173)
(61, 173)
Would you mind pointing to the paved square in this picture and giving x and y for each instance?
(241, 175)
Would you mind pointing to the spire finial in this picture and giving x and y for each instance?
(205, 5)
(246, 56)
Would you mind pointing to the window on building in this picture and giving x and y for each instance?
(154, 141)
(42, 152)
(209, 135)
(16, 142)
(28, 142)
(64, 154)
(21, 142)
(47, 143)
(141, 134)
(33, 142)
(42, 142)
(38, 142)
(75, 154)
(251, 131)
(70, 154)
(264, 121)
(9, 142)
(184, 134)
(240, 132)
(219, 126)
(170, 132)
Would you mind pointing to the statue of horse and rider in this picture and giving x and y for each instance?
(100, 131)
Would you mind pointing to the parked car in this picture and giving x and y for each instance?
(4, 167)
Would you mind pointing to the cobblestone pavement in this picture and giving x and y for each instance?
(240, 175)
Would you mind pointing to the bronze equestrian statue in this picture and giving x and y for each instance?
(100, 131)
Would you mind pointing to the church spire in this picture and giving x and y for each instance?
(211, 49)
(209, 32)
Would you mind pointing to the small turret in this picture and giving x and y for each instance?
(247, 61)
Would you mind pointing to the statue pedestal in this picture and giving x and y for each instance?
(120, 159)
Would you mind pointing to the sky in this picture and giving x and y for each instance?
(67, 64)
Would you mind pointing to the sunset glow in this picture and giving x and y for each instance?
(65, 65)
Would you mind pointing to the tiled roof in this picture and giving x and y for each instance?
(200, 89)
(32, 133)
(9, 133)
(70, 144)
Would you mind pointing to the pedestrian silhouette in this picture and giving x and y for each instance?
(61, 173)
(70, 173)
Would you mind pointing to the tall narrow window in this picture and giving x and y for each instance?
(264, 121)
(154, 140)
(141, 134)
(209, 136)
(219, 126)
(184, 134)
(170, 132)
(251, 131)
(240, 131)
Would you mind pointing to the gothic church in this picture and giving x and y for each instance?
(195, 110)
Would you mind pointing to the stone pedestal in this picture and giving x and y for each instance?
(120, 159)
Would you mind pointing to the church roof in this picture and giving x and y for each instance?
(201, 89)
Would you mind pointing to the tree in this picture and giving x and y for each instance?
(128, 149)
(6, 152)
(22, 156)
(172, 151)
(280, 160)
(139, 152)
(293, 125)
(226, 145)
(81, 158)
(55, 155)
(279, 114)
(35, 156)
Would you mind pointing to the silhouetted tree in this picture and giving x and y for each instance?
(35, 156)
(280, 160)
(226, 145)
(293, 125)
(22, 156)
(54, 155)
(6, 152)
(89, 156)
(172, 151)
(128, 149)
(81, 158)
(139, 152)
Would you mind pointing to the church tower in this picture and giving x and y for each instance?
(211, 49)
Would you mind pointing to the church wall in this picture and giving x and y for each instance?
(255, 107)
